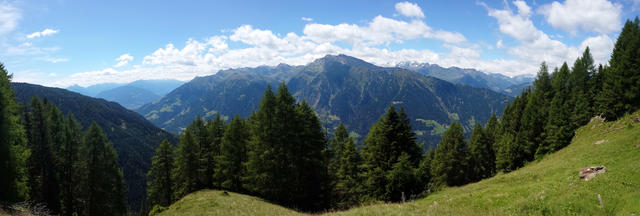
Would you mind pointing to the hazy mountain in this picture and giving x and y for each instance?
(515, 90)
(129, 96)
(158, 87)
(472, 77)
(340, 88)
(133, 137)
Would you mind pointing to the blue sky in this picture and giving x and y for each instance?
(61, 43)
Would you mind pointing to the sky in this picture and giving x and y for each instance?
(62, 42)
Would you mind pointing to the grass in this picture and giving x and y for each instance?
(550, 186)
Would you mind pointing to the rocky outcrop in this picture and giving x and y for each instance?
(591, 172)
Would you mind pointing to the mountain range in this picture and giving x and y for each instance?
(340, 88)
(133, 137)
(496, 82)
(130, 95)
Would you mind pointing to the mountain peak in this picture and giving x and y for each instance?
(343, 59)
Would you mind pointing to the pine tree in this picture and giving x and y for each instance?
(12, 144)
(401, 179)
(450, 162)
(343, 167)
(558, 129)
(102, 184)
(69, 166)
(43, 176)
(482, 158)
(579, 99)
(535, 113)
(309, 158)
(510, 146)
(424, 171)
(159, 180)
(233, 153)
(186, 164)
(387, 140)
(621, 82)
(210, 152)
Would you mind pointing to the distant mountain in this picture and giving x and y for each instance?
(158, 87)
(495, 82)
(340, 88)
(129, 96)
(94, 90)
(133, 137)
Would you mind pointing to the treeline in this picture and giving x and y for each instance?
(47, 160)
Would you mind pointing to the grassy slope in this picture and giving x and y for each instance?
(550, 186)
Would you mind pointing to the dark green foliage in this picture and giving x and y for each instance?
(133, 137)
(43, 175)
(424, 171)
(212, 150)
(450, 162)
(387, 140)
(186, 165)
(12, 144)
(69, 166)
(233, 153)
(286, 161)
(103, 186)
(510, 146)
(535, 114)
(558, 129)
(580, 99)
(482, 157)
(621, 83)
(159, 181)
(343, 168)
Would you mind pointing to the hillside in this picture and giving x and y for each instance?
(158, 87)
(134, 138)
(340, 88)
(550, 186)
(129, 96)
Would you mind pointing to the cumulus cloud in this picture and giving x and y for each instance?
(600, 16)
(371, 41)
(307, 19)
(409, 9)
(42, 33)
(123, 60)
(9, 17)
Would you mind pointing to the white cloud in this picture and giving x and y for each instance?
(42, 33)
(409, 9)
(9, 17)
(307, 19)
(123, 60)
(56, 60)
(600, 16)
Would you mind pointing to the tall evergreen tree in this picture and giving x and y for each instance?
(558, 128)
(621, 82)
(233, 153)
(12, 144)
(387, 140)
(211, 151)
(103, 184)
(535, 113)
(186, 166)
(159, 180)
(579, 99)
(450, 162)
(482, 157)
(69, 166)
(343, 167)
(43, 176)
(510, 143)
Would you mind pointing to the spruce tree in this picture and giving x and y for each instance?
(343, 167)
(387, 140)
(621, 82)
(482, 158)
(233, 153)
(535, 113)
(103, 183)
(43, 176)
(12, 144)
(450, 162)
(215, 131)
(69, 166)
(424, 171)
(186, 166)
(159, 179)
(558, 129)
